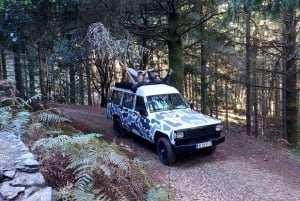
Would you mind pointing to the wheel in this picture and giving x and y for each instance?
(118, 127)
(209, 150)
(165, 151)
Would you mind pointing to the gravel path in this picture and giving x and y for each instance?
(261, 173)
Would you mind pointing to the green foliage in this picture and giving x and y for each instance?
(157, 195)
(78, 195)
(140, 163)
(33, 98)
(117, 159)
(16, 117)
(92, 160)
(49, 117)
(85, 157)
(19, 103)
(294, 151)
(4, 109)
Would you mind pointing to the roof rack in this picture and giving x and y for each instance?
(128, 85)
(124, 85)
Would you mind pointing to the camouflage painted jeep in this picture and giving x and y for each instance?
(159, 114)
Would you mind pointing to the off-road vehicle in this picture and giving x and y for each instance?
(160, 114)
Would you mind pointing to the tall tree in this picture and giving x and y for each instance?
(3, 65)
(247, 7)
(248, 67)
(19, 72)
(168, 21)
(289, 54)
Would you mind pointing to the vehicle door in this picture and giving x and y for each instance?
(142, 125)
(113, 106)
(129, 116)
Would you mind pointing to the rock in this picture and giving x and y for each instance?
(20, 178)
(44, 194)
(31, 163)
(10, 192)
(1, 175)
(10, 174)
(28, 179)
(30, 191)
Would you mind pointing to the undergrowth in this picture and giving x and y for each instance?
(77, 166)
(294, 151)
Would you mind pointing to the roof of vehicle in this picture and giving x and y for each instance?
(151, 89)
(155, 89)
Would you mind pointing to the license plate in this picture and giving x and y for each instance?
(203, 145)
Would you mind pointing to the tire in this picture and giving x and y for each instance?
(118, 127)
(165, 152)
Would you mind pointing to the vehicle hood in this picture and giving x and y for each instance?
(184, 118)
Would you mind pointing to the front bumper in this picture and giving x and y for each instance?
(193, 146)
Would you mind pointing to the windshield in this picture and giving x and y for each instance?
(166, 102)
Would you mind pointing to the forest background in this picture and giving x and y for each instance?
(240, 55)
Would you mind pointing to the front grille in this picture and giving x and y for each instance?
(200, 134)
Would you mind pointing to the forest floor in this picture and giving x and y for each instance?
(242, 168)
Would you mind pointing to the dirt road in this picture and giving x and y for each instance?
(242, 168)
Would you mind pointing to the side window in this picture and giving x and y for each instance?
(128, 100)
(140, 104)
(116, 97)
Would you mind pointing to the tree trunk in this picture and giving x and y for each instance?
(88, 85)
(217, 87)
(289, 54)
(31, 78)
(18, 73)
(2, 59)
(81, 85)
(226, 106)
(42, 70)
(248, 73)
(4, 67)
(203, 78)
(72, 86)
(175, 48)
(254, 80)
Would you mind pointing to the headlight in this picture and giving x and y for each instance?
(219, 127)
(179, 134)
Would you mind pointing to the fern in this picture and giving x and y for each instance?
(118, 160)
(105, 169)
(21, 103)
(33, 98)
(64, 195)
(78, 195)
(49, 117)
(157, 195)
(14, 117)
(35, 126)
(63, 142)
(22, 118)
(85, 196)
(59, 142)
(82, 162)
(83, 180)
(86, 156)
(5, 109)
